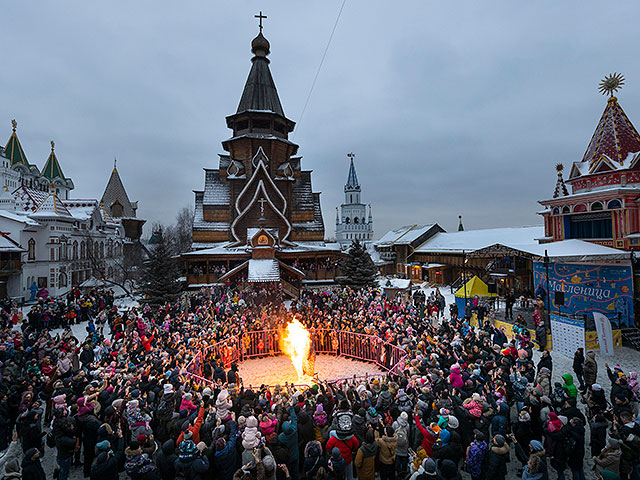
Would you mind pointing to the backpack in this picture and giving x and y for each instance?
(344, 422)
(164, 410)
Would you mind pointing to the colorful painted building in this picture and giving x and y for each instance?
(599, 201)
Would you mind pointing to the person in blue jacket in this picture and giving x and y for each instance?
(289, 438)
(224, 459)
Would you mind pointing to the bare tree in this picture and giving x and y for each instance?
(179, 235)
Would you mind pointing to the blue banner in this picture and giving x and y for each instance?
(607, 289)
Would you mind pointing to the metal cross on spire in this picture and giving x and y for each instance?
(260, 16)
(351, 155)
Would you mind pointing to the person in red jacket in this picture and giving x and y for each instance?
(146, 343)
(193, 432)
(347, 444)
(429, 436)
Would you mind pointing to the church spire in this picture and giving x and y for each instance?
(615, 136)
(52, 168)
(460, 226)
(260, 91)
(352, 179)
(13, 150)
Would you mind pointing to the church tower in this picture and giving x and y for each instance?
(352, 222)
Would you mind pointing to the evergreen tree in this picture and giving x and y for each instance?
(159, 281)
(357, 268)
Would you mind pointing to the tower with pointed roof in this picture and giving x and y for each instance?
(116, 205)
(352, 220)
(259, 191)
(53, 172)
(598, 202)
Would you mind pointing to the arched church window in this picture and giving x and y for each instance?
(31, 255)
(566, 209)
(580, 208)
(556, 211)
(596, 206)
(75, 250)
(613, 204)
(347, 220)
(355, 220)
(62, 280)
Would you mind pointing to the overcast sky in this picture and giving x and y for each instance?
(451, 107)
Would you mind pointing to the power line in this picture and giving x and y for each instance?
(313, 84)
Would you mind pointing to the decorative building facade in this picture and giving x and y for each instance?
(258, 218)
(352, 220)
(56, 242)
(599, 201)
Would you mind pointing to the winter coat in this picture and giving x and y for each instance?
(192, 468)
(268, 424)
(32, 470)
(384, 401)
(365, 461)
(313, 460)
(609, 459)
(544, 380)
(165, 460)
(475, 458)
(251, 435)
(359, 426)
(475, 409)
(455, 378)
(429, 437)
(401, 427)
(598, 436)
(495, 467)
(289, 436)
(578, 362)
(106, 467)
(576, 456)
(347, 446)
(224, 461)
(590, 369)
(223, 405)
(569, 386)
(387, 449)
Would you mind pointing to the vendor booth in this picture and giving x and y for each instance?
(473, 288)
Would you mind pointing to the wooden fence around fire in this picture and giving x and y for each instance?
(264, 343)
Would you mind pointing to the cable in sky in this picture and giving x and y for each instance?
(313, 84)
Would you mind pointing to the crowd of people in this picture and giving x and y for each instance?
(467, 402)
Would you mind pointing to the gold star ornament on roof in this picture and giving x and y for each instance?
(611, 84)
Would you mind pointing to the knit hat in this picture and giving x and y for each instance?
(207, 392)
(404, 416)
(563, 419)
(102, 446)
(524, 416)
(453, 422)
(269, 463)
(429, 467)
(188, 396)
(220, 444)
(596, 387)
(141, 439)
(614, 442)
(188, 435)
(499, 440)
(536, 445)
(167, 388)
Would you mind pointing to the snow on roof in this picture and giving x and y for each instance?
(9, 245)
(81, 209)
(389, 282)
(594, 191)
(403, 235)
(470, 240)
(18, 217)
(263, 270)
(578, 249)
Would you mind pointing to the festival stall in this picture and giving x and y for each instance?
(473, 288)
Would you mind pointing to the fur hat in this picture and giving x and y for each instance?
(167, 388)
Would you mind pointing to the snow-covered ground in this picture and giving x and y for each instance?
(279, 369)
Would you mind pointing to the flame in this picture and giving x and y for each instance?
(295, 342)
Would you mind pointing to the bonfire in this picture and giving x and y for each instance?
(295, 342)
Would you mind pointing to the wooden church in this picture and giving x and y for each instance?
(258, 218)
